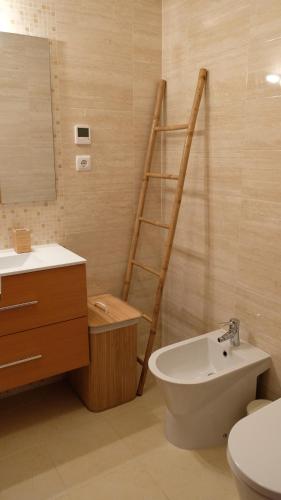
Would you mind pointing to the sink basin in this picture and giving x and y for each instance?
(207, 386)
(19, 261)
(42, 257)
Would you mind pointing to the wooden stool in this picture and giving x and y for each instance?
(111, 377)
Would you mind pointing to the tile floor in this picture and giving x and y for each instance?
(53, 448)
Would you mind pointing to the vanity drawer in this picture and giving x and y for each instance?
(40, 298)
(43, 352)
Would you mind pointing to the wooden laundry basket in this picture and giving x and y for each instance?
(111, 377)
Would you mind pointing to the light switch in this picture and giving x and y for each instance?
(83, 163)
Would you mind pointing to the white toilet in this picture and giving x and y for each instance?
(254, 454)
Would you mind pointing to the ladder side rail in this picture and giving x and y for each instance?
(171, 233)
(147, 166)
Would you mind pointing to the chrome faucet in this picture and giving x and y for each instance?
(233, 332)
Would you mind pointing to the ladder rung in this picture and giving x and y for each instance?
(140, 361)
(162, 176)
(154, 223)
(146, 268)
(166, 128)
(147, 318)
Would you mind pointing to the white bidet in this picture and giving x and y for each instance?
(207, 386)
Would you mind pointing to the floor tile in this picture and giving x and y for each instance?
(194, 475)
(140, 428)
(83, 444)
(29, 475)
(124, 483)
(53, 448)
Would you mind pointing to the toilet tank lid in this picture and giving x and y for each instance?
(254, 450)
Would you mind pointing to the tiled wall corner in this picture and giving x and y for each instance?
(226, 255)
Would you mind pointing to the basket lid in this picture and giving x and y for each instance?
(106, 312)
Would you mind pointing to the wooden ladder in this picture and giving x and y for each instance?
(171, 228)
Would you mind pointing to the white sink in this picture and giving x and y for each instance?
(19, 261)
(207, 386)
(41, 257)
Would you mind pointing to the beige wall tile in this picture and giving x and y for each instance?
(105, 62)
(226, 255)
(261, 176)
(264, 61)
(262, 123)
(265, 19)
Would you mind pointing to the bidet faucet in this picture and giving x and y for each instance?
(233, 332)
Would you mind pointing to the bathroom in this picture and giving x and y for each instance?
(103, 60)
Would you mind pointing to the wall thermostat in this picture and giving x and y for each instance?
(82, 134)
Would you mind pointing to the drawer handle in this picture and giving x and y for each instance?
(21, 361)
(18, 306)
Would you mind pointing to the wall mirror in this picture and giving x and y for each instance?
(26, 132)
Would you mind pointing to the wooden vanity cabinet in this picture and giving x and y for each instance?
(41, 298)
(43, 324)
